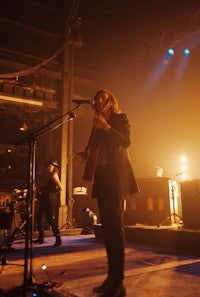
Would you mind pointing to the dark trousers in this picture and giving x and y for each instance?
(49, 207)
(111, 214)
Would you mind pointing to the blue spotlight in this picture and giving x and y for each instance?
(186, 51)
(170, 51)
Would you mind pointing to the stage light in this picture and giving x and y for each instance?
(183, 158)
(44, 267)
(183, 175)
(158, 171)
(24, 127)
(170, 51)
(21, 100)
(186, 51)
(89, 219)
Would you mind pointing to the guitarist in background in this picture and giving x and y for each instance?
(113, 181)
(48, 198)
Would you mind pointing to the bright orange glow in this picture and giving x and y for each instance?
(183, 158)
(184, 167)
(21, 100)
(184, 176)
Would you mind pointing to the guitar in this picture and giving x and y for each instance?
(92, 150)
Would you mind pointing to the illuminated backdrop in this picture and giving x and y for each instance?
(126, 46)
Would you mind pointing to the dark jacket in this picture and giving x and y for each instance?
(115, 143)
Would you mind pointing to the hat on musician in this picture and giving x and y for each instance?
(54, 163)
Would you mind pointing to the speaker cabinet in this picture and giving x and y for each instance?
(190, 195)
(156, 201)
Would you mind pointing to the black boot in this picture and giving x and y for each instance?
(115, 289)
(40, 240)
(102, 287)
(111, 288)
(58, 241)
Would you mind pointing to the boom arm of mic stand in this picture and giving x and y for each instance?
(31, 140)
(46, 127)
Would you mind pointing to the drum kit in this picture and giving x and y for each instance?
(12, 218)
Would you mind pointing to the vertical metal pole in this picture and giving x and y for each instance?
(67, 133)
(32, 210)
(29, 215)
(70, 139)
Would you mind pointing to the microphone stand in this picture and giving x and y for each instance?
(31, 140)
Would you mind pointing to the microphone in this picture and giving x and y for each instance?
(82, 101)
(72, 116)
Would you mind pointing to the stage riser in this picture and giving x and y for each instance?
(171, 239)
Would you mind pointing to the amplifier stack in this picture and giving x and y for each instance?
(190, 196)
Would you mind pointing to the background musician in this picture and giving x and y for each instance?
(48, 199)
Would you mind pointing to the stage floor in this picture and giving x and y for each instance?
(79, 264)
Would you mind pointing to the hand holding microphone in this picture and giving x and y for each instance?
(100, 122)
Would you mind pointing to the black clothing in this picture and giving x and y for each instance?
(115, 143)
(49, 206)
(113, 181)
(111, 287)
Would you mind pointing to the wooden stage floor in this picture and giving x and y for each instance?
(79, 264)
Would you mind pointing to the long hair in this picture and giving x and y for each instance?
(56, 169)
(111, 98)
